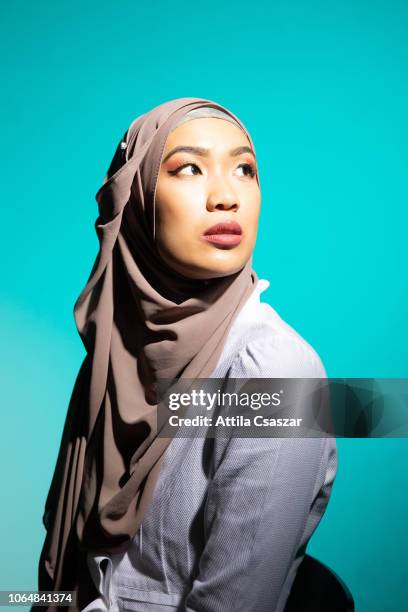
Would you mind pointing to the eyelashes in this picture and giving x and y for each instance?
(248, 166)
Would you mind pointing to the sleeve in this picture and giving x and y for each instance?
(265, 499)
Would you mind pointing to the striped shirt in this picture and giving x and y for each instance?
(230, 519)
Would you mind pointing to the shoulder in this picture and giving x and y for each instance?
(270, 347)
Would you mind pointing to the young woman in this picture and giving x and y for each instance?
(140, 522)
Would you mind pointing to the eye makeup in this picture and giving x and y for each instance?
(177, 165)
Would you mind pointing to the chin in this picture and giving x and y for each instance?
(225, 261)
(222, 262)
(216, 270)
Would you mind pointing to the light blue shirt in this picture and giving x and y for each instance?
(230, 519)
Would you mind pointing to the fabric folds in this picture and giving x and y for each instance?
(139, 320)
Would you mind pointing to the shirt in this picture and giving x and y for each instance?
(229, 521)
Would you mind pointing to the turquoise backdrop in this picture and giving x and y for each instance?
(323, 88)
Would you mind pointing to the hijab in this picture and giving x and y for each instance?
(139, 321)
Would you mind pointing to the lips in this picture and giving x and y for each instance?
(226, 227)
(225, 234)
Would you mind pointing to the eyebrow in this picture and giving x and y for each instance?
(205, 152)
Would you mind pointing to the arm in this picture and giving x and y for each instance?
(265, 499)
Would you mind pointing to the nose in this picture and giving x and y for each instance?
(222, 197)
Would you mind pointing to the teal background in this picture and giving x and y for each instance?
(323, 89)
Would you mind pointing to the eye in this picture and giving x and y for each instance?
(180, 168)
(250, 168)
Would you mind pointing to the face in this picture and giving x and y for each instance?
(212, 183)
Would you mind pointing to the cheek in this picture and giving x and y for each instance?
(251, 214)
(181, 206)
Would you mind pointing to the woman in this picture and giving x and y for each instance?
(133, 521)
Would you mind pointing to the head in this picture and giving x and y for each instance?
(208, 175)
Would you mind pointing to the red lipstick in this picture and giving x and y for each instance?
(226, 233)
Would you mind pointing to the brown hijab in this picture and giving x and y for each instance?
(139, 321)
